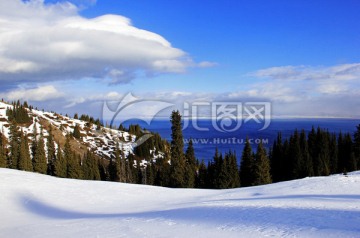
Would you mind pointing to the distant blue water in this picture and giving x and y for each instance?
(206, 142)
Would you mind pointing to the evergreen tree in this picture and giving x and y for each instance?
(2, 151)
(262, 167)
(50, 152)
(74, 169)
(233, 177)
(90, 167)
(349, 156)
(177, 167)
(60, 165)
(190, 167)
(247, 165)
(112, 169)
(306, 161)
(333, 154)
(357, 145)
(276, 159)
(201, 179)
(34, 141)
(39, 161)
(103, 170)
(341, 154)
(295, 156)
(14, 136)
(76, 133)
(24, 162)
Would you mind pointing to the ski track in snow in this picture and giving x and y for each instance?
(34, 205)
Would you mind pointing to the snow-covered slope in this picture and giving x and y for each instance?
(34, 205)
(102, 142)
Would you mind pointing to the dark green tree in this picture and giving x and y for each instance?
(190, 166)
(333, 154)
(261, 167)
(3, 145)
(25, 162)
(349, 156)
(60, 165)
(201, 179)
(90, 167)
(295, 156)
(277, 159)
(76, 133)
(247, 165)
(306, 161)
(39, 161)
(74, 169)
(177, 167)
(357, 145)
(232, 171)
(14, 136)
(50, 144)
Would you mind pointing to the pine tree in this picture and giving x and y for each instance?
(60, 165)
(39, 161)
(90, 167)
(232, 170)
(34, 141)
(276, 159)
(341, 154)
(74, 169)
(201, 179)
(177, 168)
(357, 145)
(247, 165)
(14, 136)
(73, 161)
(190, 168)
(50, 152)
(112, 170)
(333, 154)
(306, 162)
(24, 162)
(2, 151)
(76, 133)
(295, 156)
(349, 156)
(262, 167)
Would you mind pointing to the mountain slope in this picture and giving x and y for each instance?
(34, 205)
(101, 141)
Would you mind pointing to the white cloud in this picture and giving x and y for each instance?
(40, 93)
(334, 73)
(207, 64)
(43, 42)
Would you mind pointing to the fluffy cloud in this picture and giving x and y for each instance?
(44, 42)
(335, 73)
(40, 93)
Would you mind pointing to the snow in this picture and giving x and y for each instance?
(102, 142)
(34, 205)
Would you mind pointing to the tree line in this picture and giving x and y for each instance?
(317, 153)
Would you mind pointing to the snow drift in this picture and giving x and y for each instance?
(34, 205)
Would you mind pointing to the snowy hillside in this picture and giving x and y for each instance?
(102, 142)
(34, 205)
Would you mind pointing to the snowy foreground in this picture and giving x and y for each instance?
(34, 205)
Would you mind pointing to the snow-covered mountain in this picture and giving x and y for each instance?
(102, 142)
(34, 205)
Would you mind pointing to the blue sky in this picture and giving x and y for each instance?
(302, 56)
